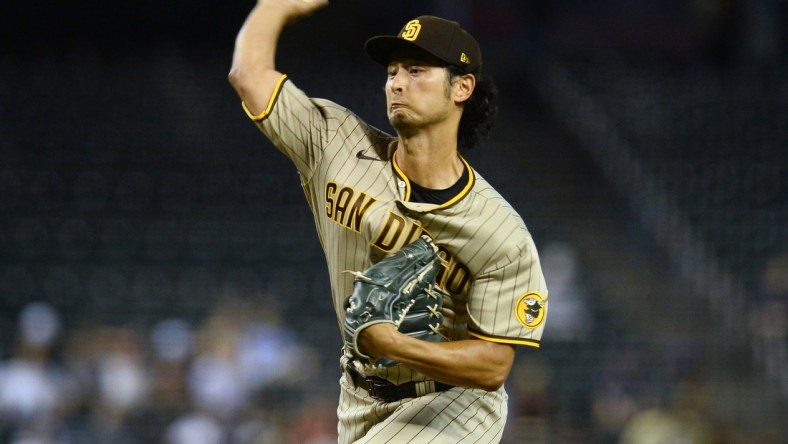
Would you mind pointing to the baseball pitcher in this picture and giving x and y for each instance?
(434, 276)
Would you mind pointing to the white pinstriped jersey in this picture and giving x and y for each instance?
(360, 201)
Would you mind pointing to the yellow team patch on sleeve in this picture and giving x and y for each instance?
(530, 309)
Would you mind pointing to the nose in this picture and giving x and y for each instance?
(396, 82)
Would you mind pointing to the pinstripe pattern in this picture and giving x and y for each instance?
(460, 415)
(358, 197)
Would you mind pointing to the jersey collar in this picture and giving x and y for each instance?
(425, 207)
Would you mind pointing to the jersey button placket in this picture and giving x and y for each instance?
(403, 188)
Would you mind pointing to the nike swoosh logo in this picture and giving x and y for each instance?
(361, 155)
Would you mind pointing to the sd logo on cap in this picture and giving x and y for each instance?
(441, 38)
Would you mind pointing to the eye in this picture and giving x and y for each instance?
(392, 72)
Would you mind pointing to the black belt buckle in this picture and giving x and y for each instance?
(381, 389)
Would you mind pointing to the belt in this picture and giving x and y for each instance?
(383, 390)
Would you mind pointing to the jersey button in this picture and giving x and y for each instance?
(401, 183)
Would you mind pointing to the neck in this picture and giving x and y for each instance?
(432, 162)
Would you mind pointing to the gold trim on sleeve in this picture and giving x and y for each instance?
(520, 341)
(271, 102)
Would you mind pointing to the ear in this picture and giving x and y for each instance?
(463, 87)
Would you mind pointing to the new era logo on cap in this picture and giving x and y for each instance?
(441, 38)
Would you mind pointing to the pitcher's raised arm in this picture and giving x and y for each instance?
(253, 73)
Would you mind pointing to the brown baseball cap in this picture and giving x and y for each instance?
(441, 38)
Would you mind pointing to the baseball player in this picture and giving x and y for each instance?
(373, 193)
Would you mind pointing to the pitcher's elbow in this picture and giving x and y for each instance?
(236, 78)
(493, 383)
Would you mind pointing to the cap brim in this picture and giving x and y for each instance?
(381, 48)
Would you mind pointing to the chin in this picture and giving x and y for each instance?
(400, 122)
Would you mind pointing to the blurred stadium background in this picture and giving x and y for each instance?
(160, 279)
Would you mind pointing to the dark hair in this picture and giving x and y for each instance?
(479, 113)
